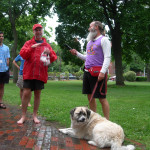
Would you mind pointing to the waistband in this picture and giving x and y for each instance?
(94, 67)
(86, 70)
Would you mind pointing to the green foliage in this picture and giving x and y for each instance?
(65, 54)
(137, 65)
(58, 75)
(51, 75)
(130, 76)
(136, 27)
(126, 66)
(79, 75)
(22, 15)
(60, 65)
(67, 75)
(138, 78)
(56, 48)
(71, 68)
(126, 21)
(73, 26)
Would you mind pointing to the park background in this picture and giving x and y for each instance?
(128, 28)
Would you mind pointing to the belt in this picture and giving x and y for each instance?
(86, 70)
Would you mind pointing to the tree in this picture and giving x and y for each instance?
(59, 65)
(59, 61)
(138, 36)
(16, 13)
(148, 71)
(76, 16)
(136, 64)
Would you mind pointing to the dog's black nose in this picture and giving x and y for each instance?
(82, 120)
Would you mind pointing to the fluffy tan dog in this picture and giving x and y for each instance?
(100, 132)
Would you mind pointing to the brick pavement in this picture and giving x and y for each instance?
(43, 136)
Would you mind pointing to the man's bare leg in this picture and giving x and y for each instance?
(21, 95)
(1, 92)
(105, 107)
(37, 94)
(29, 104)
(25, 100)
(93, 105)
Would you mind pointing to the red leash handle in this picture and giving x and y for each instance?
(93, 91)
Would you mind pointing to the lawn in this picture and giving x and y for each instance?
(129, 105)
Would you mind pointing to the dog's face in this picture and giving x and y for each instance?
(80, 115)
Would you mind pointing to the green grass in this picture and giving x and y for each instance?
(129, 105)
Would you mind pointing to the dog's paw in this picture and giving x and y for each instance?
(92, 143)
(63, 131)
(130, 147)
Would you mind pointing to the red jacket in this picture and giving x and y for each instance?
(33, 67)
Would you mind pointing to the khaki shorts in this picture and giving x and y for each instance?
(20, 82)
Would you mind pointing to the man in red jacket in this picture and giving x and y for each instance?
(34, 71)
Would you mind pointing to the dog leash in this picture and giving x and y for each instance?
(96, 87)
(94, 90)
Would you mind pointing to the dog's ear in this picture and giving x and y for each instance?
(88, 113)
(72, 112)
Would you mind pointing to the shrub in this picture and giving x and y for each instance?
(130, 76)
(58, 75)
(79, 75)
(67, 75)
(51, 75)
(138, 78)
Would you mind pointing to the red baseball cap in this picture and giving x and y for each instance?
(37, 26)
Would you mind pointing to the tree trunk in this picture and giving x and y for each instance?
(148, 72)
(14, 49)
(116, 47)
(12, 19)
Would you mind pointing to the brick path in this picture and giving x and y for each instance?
(42, 136)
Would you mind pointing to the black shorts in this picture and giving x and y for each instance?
(4, 77)
(33, 84)
(89, 84)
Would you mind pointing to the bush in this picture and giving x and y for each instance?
(58, 75)
(79, 75)
(138, 78)
(51, 75)
(130, 76)
(67, 75)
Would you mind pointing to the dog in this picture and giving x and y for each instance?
(100, 132)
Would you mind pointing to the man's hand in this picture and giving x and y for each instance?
(7, 61)
(47, 51)
(36, 45)
(73, 51)
(101, 76)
